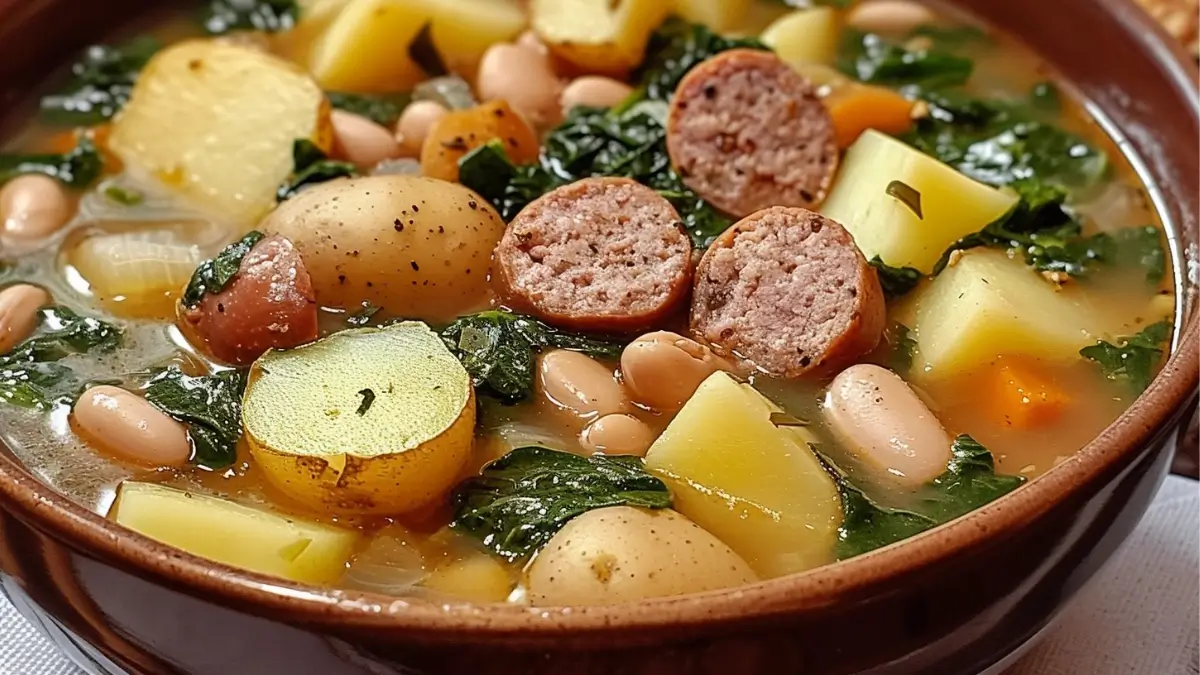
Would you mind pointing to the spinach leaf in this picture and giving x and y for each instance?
(1045, 97)
(675, 48)
(269, 16)
(1141, 247)
(30, 376)
(1133, 360)
(312, 166)
(896, 281)
(520, 501)
(77, 168)
(212, 276)
(499, 348)
(381, 109)
(101, 83)
(969, 482)
(210, 406)
(871, 58)
(509, 188)
(904, 347)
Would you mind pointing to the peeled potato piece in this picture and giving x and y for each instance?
(215, 122)
(365, 48)
(598, 36)
(373, 420)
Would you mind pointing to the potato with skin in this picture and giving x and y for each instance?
(372, 420)
(606, 37)
(414, 247)
(461, 131)
(215, 122)
(623, 554)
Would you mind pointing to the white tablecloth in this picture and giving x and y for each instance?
(1139, 616)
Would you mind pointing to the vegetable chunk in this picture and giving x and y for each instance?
(950, 205)
(805, 36)
(237, 535)
(599, 36)
(755, 485)
(365, 48)
(214, 122)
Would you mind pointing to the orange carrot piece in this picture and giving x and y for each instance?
(1025, 398)
(858, 107)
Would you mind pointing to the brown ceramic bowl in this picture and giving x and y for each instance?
(959, 599)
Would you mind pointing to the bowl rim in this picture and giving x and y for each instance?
(1149, 414)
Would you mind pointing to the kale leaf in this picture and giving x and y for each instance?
(499, 349)
(76, 168)
(969, 482)
(270, 16)
(1133, 360)
(210, 406)
(871, 58)
(896, 281)
(904, 347)
(520, 501)
(383, 109)
(675, 48)
(101, 83)
(212, 276)
(30, 376)
(312, 166)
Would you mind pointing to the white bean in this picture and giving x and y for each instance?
(126, 425)
(886, 424)
(362, 141)
(525, 79)
(530, 40)
(19, 313)
(580, 385)
(662, 370)
(593, 91)
(889, 16)
(415, 123)
(617, 435)
(33, 207)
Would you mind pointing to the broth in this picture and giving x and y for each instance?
(1065, 402)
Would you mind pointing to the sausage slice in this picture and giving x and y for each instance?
(269, 304)
(746, 132)
(787, 290)
(603, 254)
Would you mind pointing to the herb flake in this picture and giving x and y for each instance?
(214, 275)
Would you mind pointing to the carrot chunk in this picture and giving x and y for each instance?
(858, 107)
(1025, 398)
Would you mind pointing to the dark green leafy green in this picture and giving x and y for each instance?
(101, 82)
(312, 166)
(520, 501)
(1045, 97)
(499, 348)
(904, 347)
(368, 396)
(871, 58)
(969, 482)
(30, 376)
(677, 47)
(212, 276)
(1133, 360)
(382, 109)
(76, 168)
(896, 281)
(210, 406)
(269, 16)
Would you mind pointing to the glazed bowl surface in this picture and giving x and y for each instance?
(959, 599)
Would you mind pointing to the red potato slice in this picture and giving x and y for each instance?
(269, 304)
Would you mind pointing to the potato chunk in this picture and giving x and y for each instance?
(598, 36)
(755, 485)
(373, 420)
(215, 122)
(952, 205)
(719, 15)
(365, 48)
(805, 36)
(986, 305)
(237, 535)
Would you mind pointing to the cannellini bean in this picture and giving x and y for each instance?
(19, 313)
(617, 435)
(415, 123)
(525, 79)
(662, 370)
(33, 207)
(889, 16)
(362, 141)
(595, 91)
(126, 425)
(530, 40)
(887, 425)
(580, 385)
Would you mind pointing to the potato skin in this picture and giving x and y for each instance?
(623, 554)
(414, 247)
(461, 131)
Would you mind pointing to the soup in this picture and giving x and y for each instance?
(563, 303)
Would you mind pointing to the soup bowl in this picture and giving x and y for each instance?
(966, 597)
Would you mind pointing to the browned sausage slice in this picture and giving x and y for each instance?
(746, 132)
(269, 304)
(787, 290)
(601, 254)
